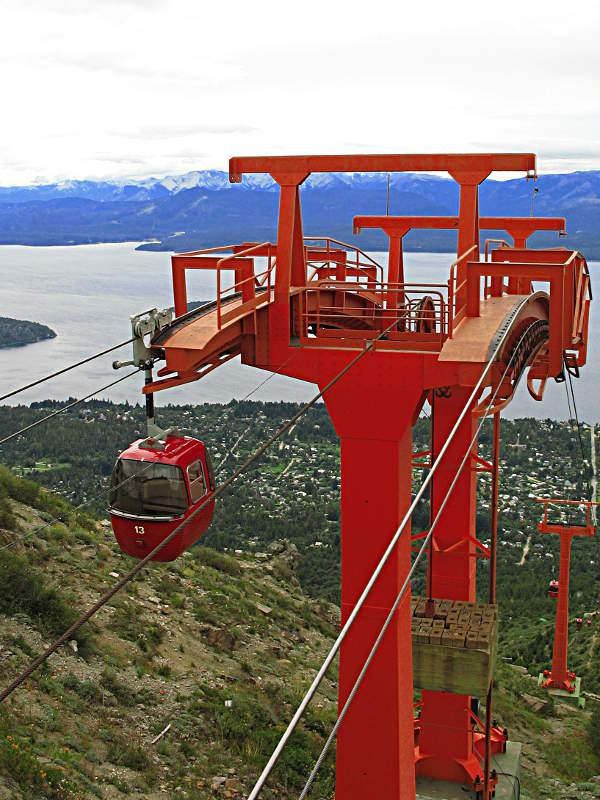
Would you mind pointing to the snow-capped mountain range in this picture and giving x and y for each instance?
(211, 179)
(209, 210)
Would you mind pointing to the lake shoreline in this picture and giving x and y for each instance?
(89, 293)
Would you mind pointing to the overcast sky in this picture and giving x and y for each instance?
(107, 88)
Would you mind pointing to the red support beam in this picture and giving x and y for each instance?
(375, 745)
(518, 228)
(443, 162)
(560, 677)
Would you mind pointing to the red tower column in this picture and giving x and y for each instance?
(445, 747)
(375, 745)
(560, 677)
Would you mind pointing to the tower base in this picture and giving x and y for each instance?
(575, 696)
(509, 764)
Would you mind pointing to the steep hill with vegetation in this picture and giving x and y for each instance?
(217, 647)
(241, 626)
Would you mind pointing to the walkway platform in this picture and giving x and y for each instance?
(507, 789)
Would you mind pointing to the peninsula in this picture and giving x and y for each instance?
(17, 332)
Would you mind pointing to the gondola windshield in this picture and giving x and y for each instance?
(148, 490)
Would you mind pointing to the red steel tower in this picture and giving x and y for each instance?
(560, 677)
(303, 307)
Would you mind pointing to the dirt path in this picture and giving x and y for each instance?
(287, 469)
(526, 549)
(232, 450)
(592, 648)
(594, 478)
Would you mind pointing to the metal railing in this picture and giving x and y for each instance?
(359, 268)
(247, 285)
(332, 308)
(455, 314)
(584, 506)
(344, 272)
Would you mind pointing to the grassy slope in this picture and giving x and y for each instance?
(180, 642)
(557, 752)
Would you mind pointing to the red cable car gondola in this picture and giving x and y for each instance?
(155, 486)
(553, 587)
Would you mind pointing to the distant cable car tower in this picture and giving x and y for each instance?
(559, 677)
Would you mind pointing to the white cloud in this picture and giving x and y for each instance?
(177, 131)
(96, 88)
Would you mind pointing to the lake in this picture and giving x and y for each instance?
(86, 294)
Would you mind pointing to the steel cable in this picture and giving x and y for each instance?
(574, 415)
(22, 677)
(85, 503)
(243, 400)
(66, 408)
(569, 496)
(576, 419)
(65, 369)
(21, 539)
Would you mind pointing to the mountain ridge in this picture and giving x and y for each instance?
(202, 209)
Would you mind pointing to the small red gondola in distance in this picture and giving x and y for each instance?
(155, 486)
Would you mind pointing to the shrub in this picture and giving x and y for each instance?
(49, 611)
(121, 753)
(115, 685)
(21, 766)
(7, 518)
(128, 625)
(87, 690)
(32, 494)
(219, 561)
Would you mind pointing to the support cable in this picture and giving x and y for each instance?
(372, 580)
(407, 580)
(243, 400)
(65, 369)
(569, 497)
(66, 408)
(574, 415)
(54, 521)
(68, 634)
(576, 419)
(516, 781)
(85, 503)
(431, 459)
